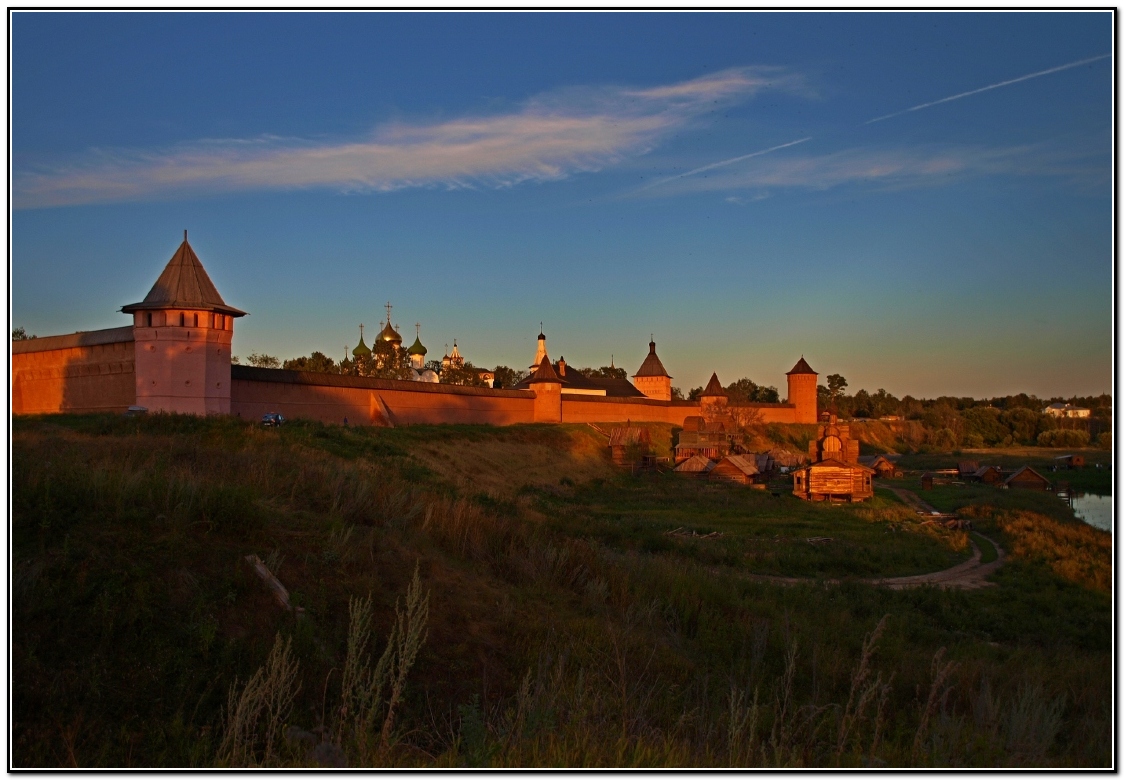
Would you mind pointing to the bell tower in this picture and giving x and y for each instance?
(182, 332)
(652, 378)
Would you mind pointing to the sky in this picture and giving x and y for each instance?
(921, 202)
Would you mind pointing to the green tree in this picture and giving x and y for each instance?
(836, 384)
(508, 377)
(676, 394)
(748, 391)
(317, 363)
(19, 334)
(467, 375)
(694, 393)
(605, 372)
(263, 361)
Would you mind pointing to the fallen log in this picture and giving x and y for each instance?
(274, 584)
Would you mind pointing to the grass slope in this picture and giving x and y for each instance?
(565, 627)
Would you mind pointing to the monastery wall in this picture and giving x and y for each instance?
(92, 371)
(330, 398)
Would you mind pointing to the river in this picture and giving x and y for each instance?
(1093, 509)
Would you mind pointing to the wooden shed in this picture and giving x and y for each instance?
(629, 444)
(1069, 462)
(1027, 479)
(695, 466)
(966, 469)
(883, 467)
(989, 475)
(833, 480)
(736, 468)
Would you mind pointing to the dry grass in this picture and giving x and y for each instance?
(1074, 551)
(503, 467)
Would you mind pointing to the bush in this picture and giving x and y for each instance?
(1104, 441)
(1063, 438)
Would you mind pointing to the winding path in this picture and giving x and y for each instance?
(964, 576)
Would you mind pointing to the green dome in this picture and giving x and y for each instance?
(416, 348)
(362, 350)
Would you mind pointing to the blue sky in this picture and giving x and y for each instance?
(714, 179)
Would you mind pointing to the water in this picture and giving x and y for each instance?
(1093, 509)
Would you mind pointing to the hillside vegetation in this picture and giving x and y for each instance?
(473, 596)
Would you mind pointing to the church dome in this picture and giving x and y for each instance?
(417, 348)
(362, 350)
(389, 334)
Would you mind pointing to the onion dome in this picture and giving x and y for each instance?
(714, 388)
(652, 365)
(362, 350)
(390, 335)
(802, 367)
(416, 348)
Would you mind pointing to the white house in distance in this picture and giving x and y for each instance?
(1065, 410)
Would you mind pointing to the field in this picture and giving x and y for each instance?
(563, 613)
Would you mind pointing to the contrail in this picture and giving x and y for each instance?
(991, 86)
(721, 163)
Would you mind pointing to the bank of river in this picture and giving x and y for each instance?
(1093, 509)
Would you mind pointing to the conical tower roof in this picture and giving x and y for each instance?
(714, 388)
(184, 284)
(651, 365)
(802, 367)
(545, 373)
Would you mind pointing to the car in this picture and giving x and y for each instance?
(272, 420)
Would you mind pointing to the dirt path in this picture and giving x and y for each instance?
(964, 576)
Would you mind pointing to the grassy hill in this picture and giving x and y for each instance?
(554, 620)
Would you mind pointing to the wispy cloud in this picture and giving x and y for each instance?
(889, 169)
(997, 85)
(549, 137)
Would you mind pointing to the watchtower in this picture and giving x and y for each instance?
(802, 391)
(182, 332)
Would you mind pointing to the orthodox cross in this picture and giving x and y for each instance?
(360, 331)
(388, 308)
(418, 326)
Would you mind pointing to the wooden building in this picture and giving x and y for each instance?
(833, 442)
(1027, 478)
(966, 469)
(833, 480)
(710, 438)
(741, 469)
(629, 444)
(1069, 462)
(835, 473)
(695, 466)
(989, 475)
(882, 465)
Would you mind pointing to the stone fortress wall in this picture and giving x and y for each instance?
(182, 333)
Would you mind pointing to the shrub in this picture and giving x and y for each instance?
(1063, 438)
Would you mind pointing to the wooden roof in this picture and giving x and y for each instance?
(184, 284)
(968, 466)
(801, 367)
(622, 437)
(834, 463)
(695, 464)
(714, 388)
(651, 365)
(544, 373)
(1022, 474)
(745, 464)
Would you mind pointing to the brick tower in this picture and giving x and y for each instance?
(802, 391)
(652, 379)
(182, 332)
(548, 393)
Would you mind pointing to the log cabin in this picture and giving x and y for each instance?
(695, 466)
(833, 480)
(1027, 478)
(741, 469)
(989, 475)
(629, 444)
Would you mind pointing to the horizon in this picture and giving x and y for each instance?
(749, 188)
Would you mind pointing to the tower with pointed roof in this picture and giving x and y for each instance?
(714, 399)
(652, 379)
(182, 332)
(548, 392)
(802, 391)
